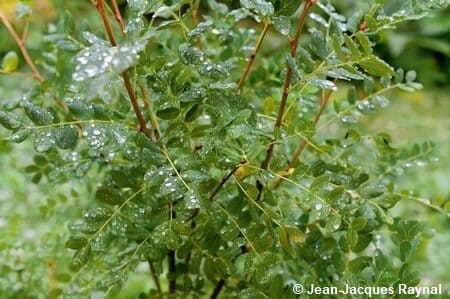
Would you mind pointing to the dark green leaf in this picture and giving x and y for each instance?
(76, 242)
(38, 115)
(10, 120)
(66, 137)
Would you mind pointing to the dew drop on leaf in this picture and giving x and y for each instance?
(192, 200)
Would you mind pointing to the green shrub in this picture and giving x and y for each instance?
(208, 141)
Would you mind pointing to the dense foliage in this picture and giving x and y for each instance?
(222, 162)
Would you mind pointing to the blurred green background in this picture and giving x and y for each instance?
(34, 218)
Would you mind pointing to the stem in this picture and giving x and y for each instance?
(172, 281)
(287, 82)
(153, 121)
(155, 278)
(118, 16)
(100, 5)
(135, 104)
(251, 60)
(196, 21)
(21, 44)
(215, 192)
(222, 183)
(219, 286)
(323, 103)
(221, 283)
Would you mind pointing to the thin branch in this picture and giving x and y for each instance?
(221, 283)
(172, 280)
(251, 60)
(153, 121)
(21, 44)
(286, 88)
(118, 16)
(217, 289)
(100, 5)
(323, 104)
(222, 183)
(135, 104)
(216, 191)
(288, 78)
(196, 21)
(155, 278)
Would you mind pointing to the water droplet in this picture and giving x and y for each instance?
(349, 119)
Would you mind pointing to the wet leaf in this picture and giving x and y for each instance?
(377, 67)
(10, 121)
(76, 242)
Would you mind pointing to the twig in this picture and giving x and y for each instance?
(222, 183)
(251, 60)
(216, 191)
(196, 21)
(135, 104)
(21, 44)
(221, 283)
(118, 16)
(172, 280)
(217, 289)
(153, 121)
(323, 104)
(287, 82)
(155, 278)
(100, 5)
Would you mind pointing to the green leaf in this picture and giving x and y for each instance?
(38, 115)
(44, 141)
(351, 45)
(261, 7)
(68, 22)
(377, 67)
(110, 196)
(359, 223)
(352, 238)
(410, 76)
(101, 59)
(384, 215)
(322, 84)
(190, 55)
(66, 137)
(405, 250)
(337, 48)
(10, 62)
(358, 264)
(284, 240)
(364, 42)
(19, 136)
(282, 24)
(286, 7)
(351, 95)
(76, 242)
(295, 235)
(363, 241)
(81, 256)
(10, 121)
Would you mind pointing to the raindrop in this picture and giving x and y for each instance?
(318, 206)
(349, 119)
